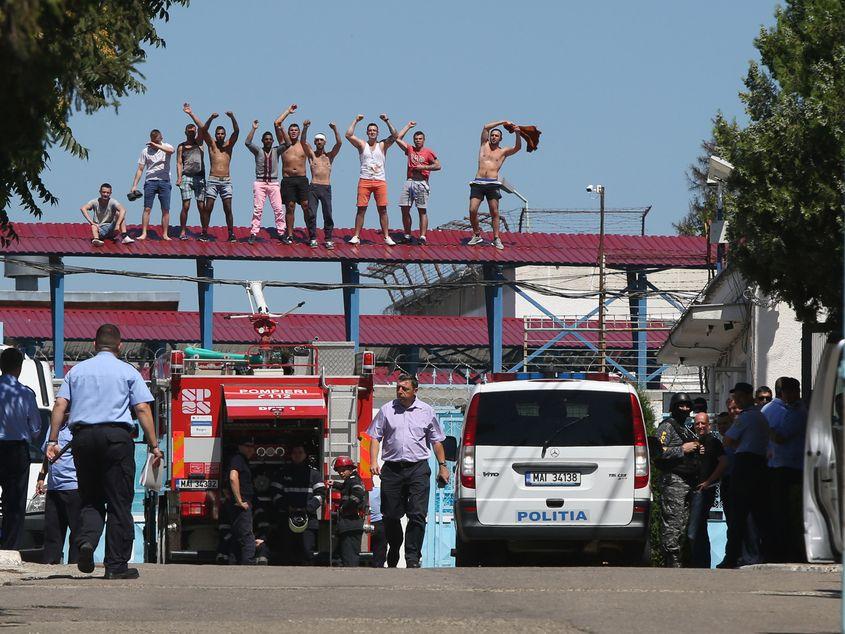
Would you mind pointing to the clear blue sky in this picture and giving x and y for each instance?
(624, 93)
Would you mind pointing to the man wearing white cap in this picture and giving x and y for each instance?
(321, 185)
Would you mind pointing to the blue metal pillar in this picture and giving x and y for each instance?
(205, 294)
(642, 333)
(57, 316)
(494, 295)
(351, 301)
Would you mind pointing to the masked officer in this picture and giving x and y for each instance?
(62, 504)
(98, 393)
(20, 426)
(300, 489)
(679, 463)
(350, 521)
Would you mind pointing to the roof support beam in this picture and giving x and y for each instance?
(205, 295)
(495, 300)
(57, 316)
(351, 301)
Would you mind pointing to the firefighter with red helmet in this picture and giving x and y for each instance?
(298, 496)
(353, 502)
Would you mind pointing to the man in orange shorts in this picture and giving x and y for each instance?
(372, 179)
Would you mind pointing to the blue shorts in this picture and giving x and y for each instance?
(153, 188)
(106, 229)
(218, 186)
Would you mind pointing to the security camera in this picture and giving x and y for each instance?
(590, 188)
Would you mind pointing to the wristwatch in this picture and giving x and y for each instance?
(442, 464)
(52, 442)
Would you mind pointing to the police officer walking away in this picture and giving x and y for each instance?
(749, 436)
(99, 392)
(62, 505)
(20, 426)
(680, 466)
(239, 504)
(300, 490)
(350, 522)
(408, 429)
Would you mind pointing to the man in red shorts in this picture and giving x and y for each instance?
(372, 179)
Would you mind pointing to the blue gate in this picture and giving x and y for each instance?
(440, 529)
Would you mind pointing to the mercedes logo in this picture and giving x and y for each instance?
(554, 453)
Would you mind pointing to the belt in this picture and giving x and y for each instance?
(404, 463)
(13, 442)
(80, 426)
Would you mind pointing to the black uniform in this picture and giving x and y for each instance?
(350, 522)
(680, 472)
(702, 502)
(299, 486)
(240, 519)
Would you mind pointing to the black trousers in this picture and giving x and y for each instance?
(749, 496)
(61, 512)
(14, 475)
(404, 491)
(750, 552)
(349, 544)
(323, 195)
(104, 456)
(378, 543)
(298, 547)
(786, 495)
(243, 538)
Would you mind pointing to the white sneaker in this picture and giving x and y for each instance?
(354, 240)
(127, 240)
(97, 242)
(389, 241)
(476, 239)
(497, 242)
(406, 238)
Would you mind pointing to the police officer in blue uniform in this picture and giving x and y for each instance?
(20, 426)
(239, 504)
(62, 505)
(98, 393)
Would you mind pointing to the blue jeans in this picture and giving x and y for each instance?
(153, 188)
(699, 512)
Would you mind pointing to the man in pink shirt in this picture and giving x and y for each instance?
(416, 191)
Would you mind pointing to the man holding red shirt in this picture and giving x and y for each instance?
(421, 162)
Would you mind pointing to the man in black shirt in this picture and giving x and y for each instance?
(712, 464)
(239, 504)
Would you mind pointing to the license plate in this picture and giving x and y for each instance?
(553, 478)
(197, 484)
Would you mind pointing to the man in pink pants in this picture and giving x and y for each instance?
(266, 184)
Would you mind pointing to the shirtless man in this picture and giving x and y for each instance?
(321, 182)
(190, 176)
(372, 180)
(219, 180)
(486, 183)
(294, 183)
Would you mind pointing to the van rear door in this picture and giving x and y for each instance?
(585, 476)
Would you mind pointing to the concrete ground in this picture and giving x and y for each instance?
(211, 598)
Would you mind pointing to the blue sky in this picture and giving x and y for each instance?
(624, 92)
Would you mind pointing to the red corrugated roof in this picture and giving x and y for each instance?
(69, 239)
(376, 330)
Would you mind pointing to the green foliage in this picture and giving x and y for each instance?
(58, 57)
(786, 223)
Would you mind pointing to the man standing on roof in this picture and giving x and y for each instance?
(219, 181)
(372, 180)
(155, 159)
(266, 174)
(486, 183)
(190, 176)
(105, 214)
(421, 162)
(321, 186)
(294, 185)
(408, 429)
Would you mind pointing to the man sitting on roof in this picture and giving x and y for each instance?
(106, 215)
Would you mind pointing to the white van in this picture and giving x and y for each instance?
(823, 460)
(552, 465)
(38, 376)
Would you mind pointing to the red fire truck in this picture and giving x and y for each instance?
(319, 395)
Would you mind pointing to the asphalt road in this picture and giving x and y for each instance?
(210, 598)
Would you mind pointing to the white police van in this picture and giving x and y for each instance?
(552, 466)
(38, 376)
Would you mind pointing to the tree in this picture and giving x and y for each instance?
(786, 221)
(58, 57)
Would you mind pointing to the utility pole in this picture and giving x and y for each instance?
(602, 289)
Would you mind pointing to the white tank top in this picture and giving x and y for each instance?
(372, 162)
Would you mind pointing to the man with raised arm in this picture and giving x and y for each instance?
(155, 159)
(266, 173)
(190, 176)
(321, 183)
(421, 162)
(372, 180)
(294, 185)
(486, 183)
(219, 181)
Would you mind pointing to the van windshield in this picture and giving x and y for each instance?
(528, 418)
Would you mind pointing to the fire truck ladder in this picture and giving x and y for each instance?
(342, 437)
